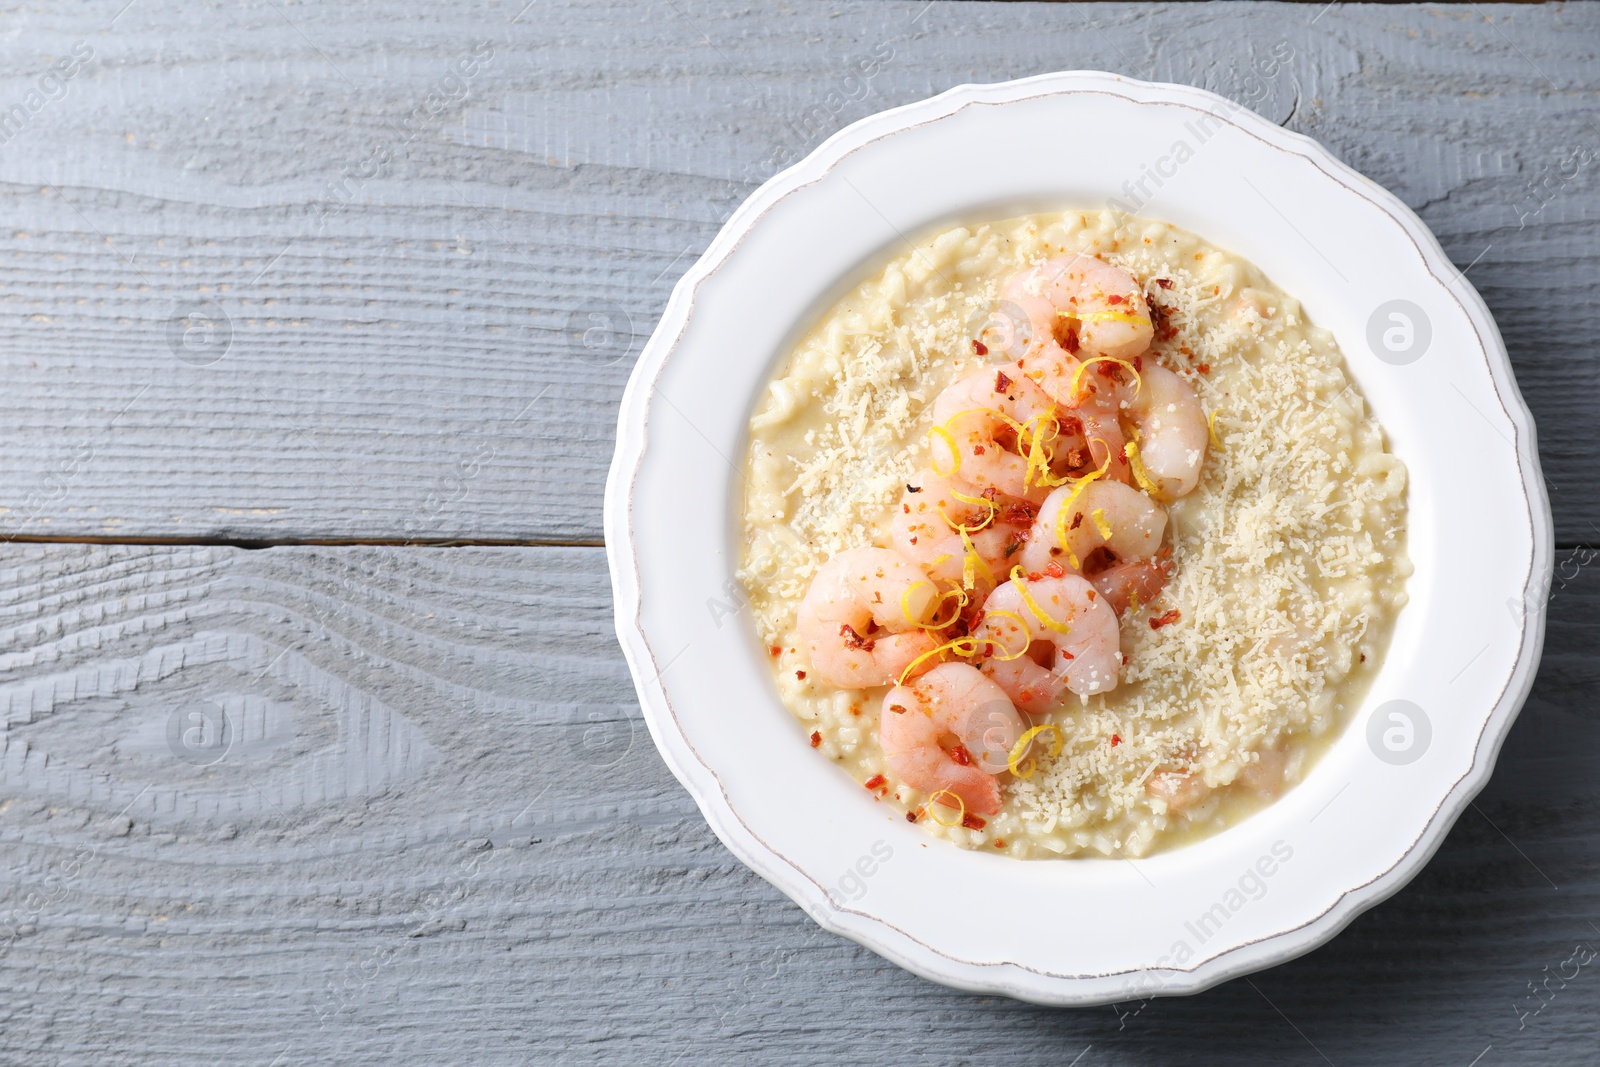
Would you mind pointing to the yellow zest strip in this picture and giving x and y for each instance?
(1039, 455)
(1211, 428)
(943, 430)
(1140, 475)
(966, 499)
(972, 563)
(939, 559)
(1105, 316)
(1028, 435)
(1023, 651)
(1100, 523)
(1026, 741)
(994, 509)
(1024, 435)
(1046, 621)
(935, 623)
(1072, 386)
(905, 600)
(961, 646)
(961, 804)
(963, 530)
(1066, 509)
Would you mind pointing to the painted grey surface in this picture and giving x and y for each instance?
(438, 831)
(441, 834)
(385, 291)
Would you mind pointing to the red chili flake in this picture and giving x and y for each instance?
(1164, 330)
(1170, 617)
(1113, 299)
(999, 842)
(977, 450)
(775, 650)
(1001, 382)
(853, 639)
(855, 709)
(898, 709)
(913, 816)
(1090, 594)
(1363, 657)
(1064, 654)
(1055, 570)
(1034, 576)
(913, 488)
(1203, 368)
(1138, 363)
(960, 754)
(972, 822)
(816, 738)
(906, 508)
(979, 347)
(1165, 283)
(1124, 659)
(1020, 513)
(913, 540)
(1070, 342)
(1115, 740)
(1077, 521)
(877, 781)
(800, 675)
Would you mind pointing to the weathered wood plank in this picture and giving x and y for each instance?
(442, 835)
(387, 290)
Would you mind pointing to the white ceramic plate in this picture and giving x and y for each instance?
(1085, 931)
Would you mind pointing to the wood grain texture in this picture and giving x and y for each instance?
(441, 834)
(391, 259)
(435, 829)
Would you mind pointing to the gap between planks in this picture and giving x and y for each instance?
(296, 542)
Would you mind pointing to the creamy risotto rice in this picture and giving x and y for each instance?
(1289, 556)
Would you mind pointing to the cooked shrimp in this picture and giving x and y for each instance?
(974, 440)
(1134, 583)
(952, 704)
(924, 531)
(860, 618)
(1179, 790)
(1182, 790)
(1078, 307)
(1107, 305)
(1070, 634)
(1099, 415)
(1264, 775)
(1104, 514)
(1171, 430)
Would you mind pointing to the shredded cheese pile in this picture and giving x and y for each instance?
(1286, 552)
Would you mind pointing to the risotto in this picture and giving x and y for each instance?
(1097, 579)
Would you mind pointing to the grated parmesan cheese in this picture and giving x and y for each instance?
(1290, 552)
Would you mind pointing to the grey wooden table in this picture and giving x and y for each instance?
(301, 434)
